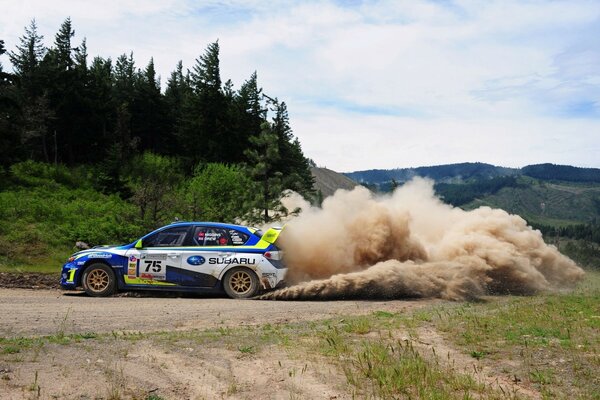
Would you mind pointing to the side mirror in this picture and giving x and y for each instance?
(138, 244)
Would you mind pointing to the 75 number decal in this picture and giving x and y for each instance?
(155, 265)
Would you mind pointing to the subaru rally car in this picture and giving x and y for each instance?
(184, 256)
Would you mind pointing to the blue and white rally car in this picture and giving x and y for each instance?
(184, 256)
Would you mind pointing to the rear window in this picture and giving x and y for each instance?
(237, 238)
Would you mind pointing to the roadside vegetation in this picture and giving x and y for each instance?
(46, 209)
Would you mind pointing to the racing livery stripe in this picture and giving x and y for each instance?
(194, 278)
(139, 281)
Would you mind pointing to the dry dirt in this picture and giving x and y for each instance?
(125, 368)
(45, 312)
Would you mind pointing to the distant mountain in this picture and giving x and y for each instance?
(328, 181)
(469, 172)
(544, 194)
(449, 173)
(562, 173)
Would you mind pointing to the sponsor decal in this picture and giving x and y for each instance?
(196, 260)
(132, 267)
(146, 276)
(99, 255)
(80, 262)
(235, 260)
(162, 257)
(269, 274)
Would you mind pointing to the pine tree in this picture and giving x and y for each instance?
(10, 146)
(148, 112)
(203, 129)
(263, 157)
(178, 90)
(123, 98)
(62, 45)
(294, 167)
(26, 61)
(247, 113)
(103, 116)
(206, 75)
(32, 95)
(61, 83)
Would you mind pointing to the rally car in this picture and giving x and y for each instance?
(184, 256)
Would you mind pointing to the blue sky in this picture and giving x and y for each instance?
(378, 84)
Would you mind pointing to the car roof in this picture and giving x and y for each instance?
(204, 223)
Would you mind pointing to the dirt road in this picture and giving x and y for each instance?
(175, 365)
(25, 312)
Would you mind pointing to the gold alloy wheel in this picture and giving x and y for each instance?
(98, 280)
(240, 282)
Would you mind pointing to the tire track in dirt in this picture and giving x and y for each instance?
(46, 312)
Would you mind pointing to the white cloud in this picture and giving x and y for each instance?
(382, 83)
(367, 142)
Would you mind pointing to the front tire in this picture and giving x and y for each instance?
(240, 283)
(99, 280)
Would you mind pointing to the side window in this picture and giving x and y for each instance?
(237, 238)
(171, 237)
(210, 236)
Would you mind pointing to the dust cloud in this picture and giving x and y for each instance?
(411, 244)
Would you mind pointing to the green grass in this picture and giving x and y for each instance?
(554, 337)
(390, 369)
(44, 210)
(50, 265)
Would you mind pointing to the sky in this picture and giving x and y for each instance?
(376, 84)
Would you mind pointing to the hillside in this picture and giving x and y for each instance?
(558, 203)
(328, 181)
(466, 172)
(547, 194)
(449, 173)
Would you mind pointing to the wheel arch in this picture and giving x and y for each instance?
(86, 266)
(230, 267)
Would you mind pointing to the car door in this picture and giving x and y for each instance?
(210, 253)
(160, 257)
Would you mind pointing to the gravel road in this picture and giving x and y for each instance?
(26, 312)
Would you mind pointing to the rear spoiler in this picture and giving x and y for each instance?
(271, 235)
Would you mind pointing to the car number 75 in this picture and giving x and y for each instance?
(154, 264)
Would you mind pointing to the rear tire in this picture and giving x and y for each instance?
(240, 283)
(99, 280)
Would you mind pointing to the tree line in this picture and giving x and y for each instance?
(589, 232)
(555, 172)
(58, 107)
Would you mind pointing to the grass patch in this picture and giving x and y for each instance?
(553, 338)
(395, 369)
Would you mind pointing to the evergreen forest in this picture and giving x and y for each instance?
(97, 150)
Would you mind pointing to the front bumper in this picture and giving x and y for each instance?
(69, 276)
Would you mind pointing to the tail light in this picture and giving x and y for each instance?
(273, 255)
